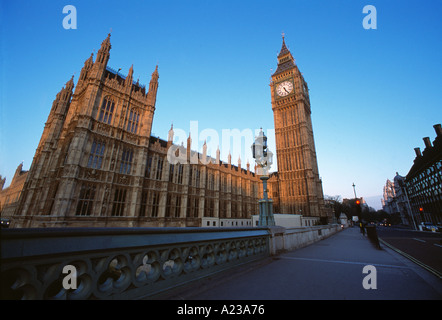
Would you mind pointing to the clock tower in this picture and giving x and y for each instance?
(299, 185)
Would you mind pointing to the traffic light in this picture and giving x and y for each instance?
(421, 210)
(358, 207)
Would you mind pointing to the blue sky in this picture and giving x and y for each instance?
(374, 93)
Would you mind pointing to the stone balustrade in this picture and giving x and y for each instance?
(120, 263)
(133, 263)
(287, 239)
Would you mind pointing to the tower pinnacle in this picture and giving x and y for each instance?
(285, 58)
(103, 53)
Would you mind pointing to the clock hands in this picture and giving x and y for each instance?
(285, 88)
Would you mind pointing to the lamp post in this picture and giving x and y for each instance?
(264, 159)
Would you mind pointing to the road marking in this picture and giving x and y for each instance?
(347, 262)
(419, 240)
(437, 245)
(423, 265)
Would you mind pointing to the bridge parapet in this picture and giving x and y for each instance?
(287, 239)
(120, 263)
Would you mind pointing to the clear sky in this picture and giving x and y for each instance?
(374, 93)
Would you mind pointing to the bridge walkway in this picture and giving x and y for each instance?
(331, 269)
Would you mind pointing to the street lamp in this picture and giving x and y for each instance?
(264, 159)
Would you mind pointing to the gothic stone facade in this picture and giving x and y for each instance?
(97, 164)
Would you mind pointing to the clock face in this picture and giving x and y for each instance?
(284, 88)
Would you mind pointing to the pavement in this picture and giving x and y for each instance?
(331, 269)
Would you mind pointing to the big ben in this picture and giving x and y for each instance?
(300, 188)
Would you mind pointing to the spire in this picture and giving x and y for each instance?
(103, 53)
(285, 58)
(170, 137)
(189, 141)
(153, 85)
(18, 171)
(284, 49)
(189, 151)
(155, 74)
(205, 148)
(129, 77)
(62, 100)
(88, 64)
(203, 157)
(106, 42)
(70, 84)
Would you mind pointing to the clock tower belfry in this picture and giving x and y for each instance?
(300, 188)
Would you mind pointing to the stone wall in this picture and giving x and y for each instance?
(286, 239)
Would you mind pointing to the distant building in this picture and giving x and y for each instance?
(389, 203)
(424, 181)
(395, 200)
(9, 196)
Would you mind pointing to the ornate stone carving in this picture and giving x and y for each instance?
(127, 272)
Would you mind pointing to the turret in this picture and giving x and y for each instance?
(102, 58)
(170, 136)
(204, 159)
(153, 85)
(62, 99)
(103, 54)
(88, 64)
(70, 85)
(217, 156)
(129, 79)
(18, 171)
(57, 116)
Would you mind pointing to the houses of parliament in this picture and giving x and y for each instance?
(97, 164)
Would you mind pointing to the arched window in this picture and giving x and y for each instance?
(132, 121)
(96, 155)
(119, 202)
(85, 200)
(126, 161)
(106, 111)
